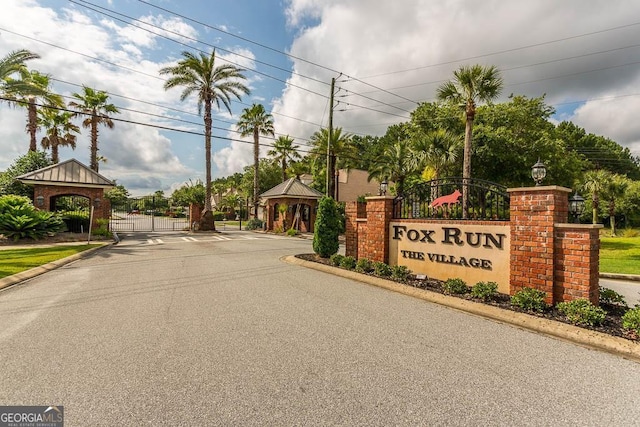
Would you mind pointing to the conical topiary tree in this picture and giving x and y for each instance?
(326, 228)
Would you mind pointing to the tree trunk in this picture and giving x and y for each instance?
(612, 217)
(207, 222)
(284, 168)
(256, 166)
(32, 124)
(466, 163)
(94, 142)
(595, 208)
(54, 153)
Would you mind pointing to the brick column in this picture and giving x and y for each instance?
(351, 229)
(577, 254)
(376, 239)
(534, 211)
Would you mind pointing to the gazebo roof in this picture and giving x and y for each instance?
(292, 188)
(70, 173)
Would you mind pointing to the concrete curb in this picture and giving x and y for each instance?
(585, 337)
(36, 271)
(630, 277)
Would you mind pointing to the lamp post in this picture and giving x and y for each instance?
(576, 206)
(383, 187)
(538, 172)
(240, 212)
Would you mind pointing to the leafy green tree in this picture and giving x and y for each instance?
(395, 164)
(326, 228)
(59, 131)
(269, 177)
(212, 84)
(437, 151)
(189, 193)
(255, 121)
(94, 104)
(118, 195)
(284, 152)
(470, 85)
(30, 162)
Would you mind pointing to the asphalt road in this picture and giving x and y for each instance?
(629, 289)
(165, 330)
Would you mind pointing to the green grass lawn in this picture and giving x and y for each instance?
(14, 261)
(620, 255)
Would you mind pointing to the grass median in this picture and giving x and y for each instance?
(620, 255)
(13, 261)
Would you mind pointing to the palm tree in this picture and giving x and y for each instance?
(438, 150)
(94, 104)
(342, 155)
(615, 189)
(41, 82)
(14, 63)
(59, 130)
(394, 164)
(211, 83)
(284, 152)
(470, 85)
(595, 183)
(255, 121)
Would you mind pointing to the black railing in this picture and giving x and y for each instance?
(444, 199)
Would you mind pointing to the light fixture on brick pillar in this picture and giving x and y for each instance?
(538, 172)
(383, 187)
(97, 202)
(40, 201)
(576, 206)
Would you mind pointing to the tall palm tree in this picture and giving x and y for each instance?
(394, 164)
(14, 64)
(284, 152)
(343, 153)
(595, 184)
(59, 131)
(94, 104)
(255, 121)
(437, 150)
(615, 189)
(40, 82)
(470, 85)
(198, 74)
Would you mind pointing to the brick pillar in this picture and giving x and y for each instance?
(351, 229)
(577, 254)
(534, 211)
(376, 239)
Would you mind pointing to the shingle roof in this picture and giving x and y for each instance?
(68, 173)
(292, 188)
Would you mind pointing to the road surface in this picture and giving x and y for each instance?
(176, 329)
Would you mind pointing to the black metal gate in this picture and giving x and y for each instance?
(148, 213)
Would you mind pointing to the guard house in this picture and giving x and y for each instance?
(69, 178)
(290, 204)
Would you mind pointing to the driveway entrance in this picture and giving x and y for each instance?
(148, 213)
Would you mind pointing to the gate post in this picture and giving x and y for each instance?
(379, 215)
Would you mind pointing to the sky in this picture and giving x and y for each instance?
(386, 57)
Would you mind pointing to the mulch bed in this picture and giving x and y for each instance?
(612, 324)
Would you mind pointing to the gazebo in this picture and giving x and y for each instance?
(69, 178)
(290, 204)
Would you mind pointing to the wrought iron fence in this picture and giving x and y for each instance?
(445, 199)
(148, 213)
(74, 210)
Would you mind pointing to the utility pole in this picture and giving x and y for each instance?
(329, 187)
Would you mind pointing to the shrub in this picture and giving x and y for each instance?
(484, 290)
(455, 287)
(253, 224)
(336, 259)
(326, 228)
(631, 320)
(611, 297)
(76, 221)
(582, 312)
(364, 266)
(19, 219)
(103, 228)
(381, 269)
(292, 232)
(530, 300)
(631, 232)
(400, 272)
(218, 216)
(348, 262)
